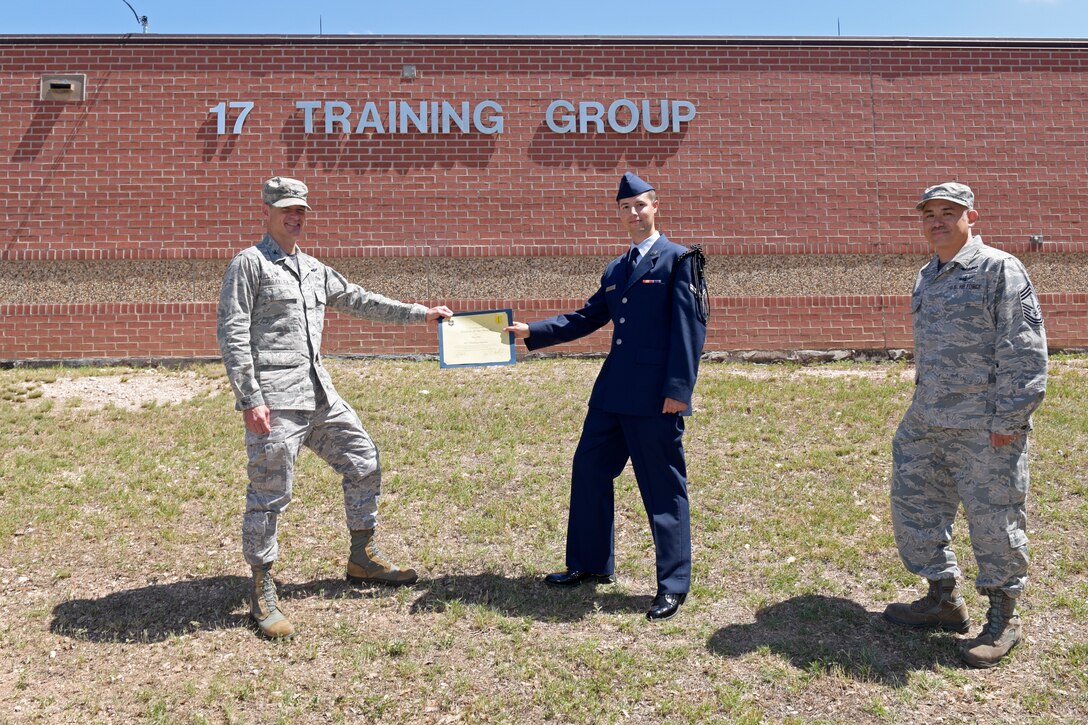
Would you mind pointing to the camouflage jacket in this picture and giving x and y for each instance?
(979, 343)
(269, 325)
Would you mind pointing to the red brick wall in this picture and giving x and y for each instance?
(156, 331)
(798, 148)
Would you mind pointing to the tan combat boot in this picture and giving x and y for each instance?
(264, 606)
(999, 635)
(368, 564)
(942, 606)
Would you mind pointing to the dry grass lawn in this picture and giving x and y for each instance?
(123, 589)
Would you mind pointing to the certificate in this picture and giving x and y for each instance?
(476, 338)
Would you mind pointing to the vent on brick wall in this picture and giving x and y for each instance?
(69, 87)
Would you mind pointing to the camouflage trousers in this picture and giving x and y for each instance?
(933, 470)
(335, 433)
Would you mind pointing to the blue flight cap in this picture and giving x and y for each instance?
(631, 185)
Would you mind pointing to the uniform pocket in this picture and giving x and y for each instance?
(965, 384)
(269, 465)
(1017, 538)
(279, 294)
(281, 370)
(280, 358)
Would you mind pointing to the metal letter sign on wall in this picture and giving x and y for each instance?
(443, 117)
(622, 116)
(220, 110)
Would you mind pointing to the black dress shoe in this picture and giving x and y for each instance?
(665, 606)
(574, 578)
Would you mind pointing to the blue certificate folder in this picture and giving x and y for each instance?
(473, 339)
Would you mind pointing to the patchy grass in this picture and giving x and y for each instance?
(123, 587)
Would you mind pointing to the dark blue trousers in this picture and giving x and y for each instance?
(655, 447)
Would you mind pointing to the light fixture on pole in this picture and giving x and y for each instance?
(141, 19)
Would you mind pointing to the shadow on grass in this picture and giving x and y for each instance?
(154, 613)
(526, 597)
(160, 611)
(829, 634)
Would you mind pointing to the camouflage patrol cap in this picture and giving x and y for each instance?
(281, 191)
(952, 191)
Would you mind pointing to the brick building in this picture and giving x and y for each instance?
(479, 172)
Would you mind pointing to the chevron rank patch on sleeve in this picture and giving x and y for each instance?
(1029, 303)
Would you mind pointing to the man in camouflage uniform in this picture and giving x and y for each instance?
(980, 356)
(270, 317)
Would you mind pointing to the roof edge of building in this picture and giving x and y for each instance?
(739, 41)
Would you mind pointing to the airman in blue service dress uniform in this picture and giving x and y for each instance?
(980, 358)
(638, 403)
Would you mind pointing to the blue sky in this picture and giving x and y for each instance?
(912, 18)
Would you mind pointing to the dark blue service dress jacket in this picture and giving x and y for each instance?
(657, 335)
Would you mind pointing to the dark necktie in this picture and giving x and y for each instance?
(632, 261)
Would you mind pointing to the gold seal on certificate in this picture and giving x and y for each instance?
(476, 338)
